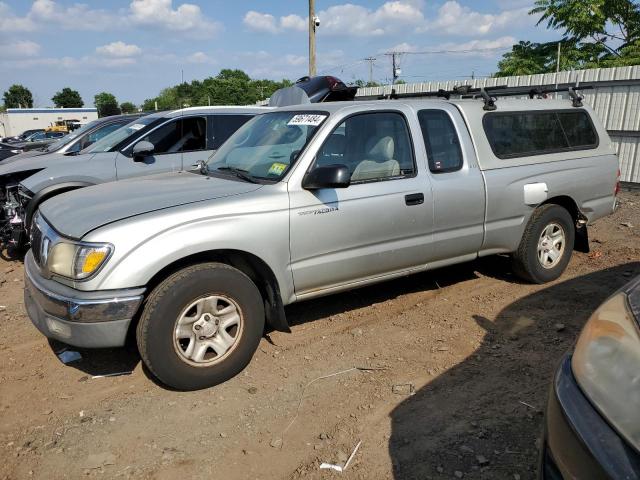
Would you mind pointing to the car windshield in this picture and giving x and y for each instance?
(267, 145)
(107, 142)
(68, 138)
(34, 136)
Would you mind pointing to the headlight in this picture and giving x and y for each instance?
(606, 364)
(77, 260)
(16, 151)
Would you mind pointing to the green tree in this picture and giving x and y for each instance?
(596, 21)
(362, 83)
(67, 98)
(128, 107)
(18, 96)
(229, 87)
(596, 33)
(228, 74)
(106, 104)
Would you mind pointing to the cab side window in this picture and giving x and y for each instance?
(441, 141)
(182, 135)
(374, 146)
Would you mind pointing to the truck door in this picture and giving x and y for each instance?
(379, 225)
(457, 185)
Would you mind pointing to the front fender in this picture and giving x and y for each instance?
(146, 244)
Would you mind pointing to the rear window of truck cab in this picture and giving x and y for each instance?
(523, 134)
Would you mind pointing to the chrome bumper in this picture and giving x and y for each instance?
(82, 319)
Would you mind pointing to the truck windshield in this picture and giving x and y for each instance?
(108, 142)
(267, 145)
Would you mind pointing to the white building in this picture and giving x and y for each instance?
(16, 120)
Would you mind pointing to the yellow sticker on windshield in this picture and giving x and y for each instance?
(277, 168)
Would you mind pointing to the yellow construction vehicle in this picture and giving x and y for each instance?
(63, 126)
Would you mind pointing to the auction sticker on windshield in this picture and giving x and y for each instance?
(277, 169)
(136, 126)
(307, 119)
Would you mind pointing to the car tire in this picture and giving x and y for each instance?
(546, 245)
(191, 317)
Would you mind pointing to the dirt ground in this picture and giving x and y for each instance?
(461, 361)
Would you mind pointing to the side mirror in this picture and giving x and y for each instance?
(142, 149)
(327, 176)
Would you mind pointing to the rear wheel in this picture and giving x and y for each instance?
(201, 326)
(546, 245)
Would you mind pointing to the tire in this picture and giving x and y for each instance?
(170, 342)
(552, 220)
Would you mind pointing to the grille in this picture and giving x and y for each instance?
(36, 243)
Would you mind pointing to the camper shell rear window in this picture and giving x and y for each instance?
(523, 134)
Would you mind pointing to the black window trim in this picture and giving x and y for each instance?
(382, 179)
(548, 151)
(453, 124)
(211, 128)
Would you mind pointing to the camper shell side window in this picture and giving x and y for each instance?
(529, 133)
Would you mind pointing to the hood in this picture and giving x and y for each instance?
(30, 153)
(76, 213)
(20, 163)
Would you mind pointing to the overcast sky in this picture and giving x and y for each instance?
(134, 48)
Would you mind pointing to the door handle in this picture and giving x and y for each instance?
(414, 199)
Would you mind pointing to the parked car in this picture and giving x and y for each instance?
(84, 137)
(35, 140)
(167, 141)
(305, 201)
(592, 425)
(22, 136)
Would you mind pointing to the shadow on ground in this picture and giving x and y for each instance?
(102, 361)
(491, 405)
(316, 309)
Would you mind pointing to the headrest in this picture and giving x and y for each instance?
(381, 149)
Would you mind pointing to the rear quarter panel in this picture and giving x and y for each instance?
(586, 176)
(589, 181)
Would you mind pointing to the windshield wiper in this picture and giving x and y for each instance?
(243, 174)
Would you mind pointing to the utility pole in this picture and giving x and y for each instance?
(557, 68)
(396, 69)
(312, 38)
(370, 60)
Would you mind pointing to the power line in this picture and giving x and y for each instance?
(395, 57)
(431, 52)
(343, 66)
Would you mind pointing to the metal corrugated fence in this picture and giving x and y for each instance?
(615, 98)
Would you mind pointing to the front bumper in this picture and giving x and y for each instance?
(82, 319)
(578, 442)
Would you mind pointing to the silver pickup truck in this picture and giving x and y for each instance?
(305, 201)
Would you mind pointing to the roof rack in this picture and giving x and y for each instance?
(534, 92)
(490, 94)
(446, 94)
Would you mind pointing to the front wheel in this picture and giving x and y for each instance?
(201, 326)
(546, 246)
